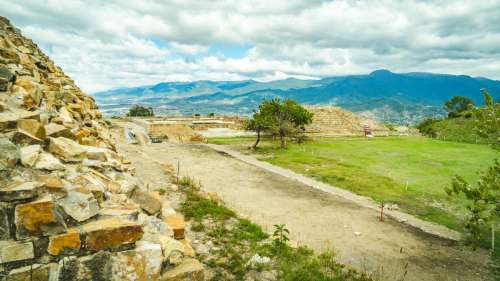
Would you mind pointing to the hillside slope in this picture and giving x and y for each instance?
(384, 95)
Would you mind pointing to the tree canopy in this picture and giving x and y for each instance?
(457, 105)
(140, 111)
(282, 118)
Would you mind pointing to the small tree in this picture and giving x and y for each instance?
(484, 197)
(138, 110)
(286, 118)
(457, 105)
(487, 119)
(258, 123)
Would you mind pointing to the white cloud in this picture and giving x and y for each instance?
(104, 44)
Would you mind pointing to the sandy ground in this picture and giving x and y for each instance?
(317, 219)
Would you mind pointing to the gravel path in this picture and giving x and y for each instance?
(319, 219)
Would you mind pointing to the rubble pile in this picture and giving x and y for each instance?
(70, 207)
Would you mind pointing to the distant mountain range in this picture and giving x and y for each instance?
(386, 96)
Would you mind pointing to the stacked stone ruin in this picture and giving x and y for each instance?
(336, 121)
(70, 207)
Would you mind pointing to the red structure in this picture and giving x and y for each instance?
(367, 130)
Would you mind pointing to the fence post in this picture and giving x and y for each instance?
(178, 170)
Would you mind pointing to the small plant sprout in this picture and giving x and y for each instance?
(280, 235)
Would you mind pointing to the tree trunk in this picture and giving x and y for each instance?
(282, 140)
(254, 146)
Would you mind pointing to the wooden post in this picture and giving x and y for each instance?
(382, 211)
(178, 170)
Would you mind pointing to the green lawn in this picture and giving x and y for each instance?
(409, 171)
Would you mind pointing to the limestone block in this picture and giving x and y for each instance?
(147, 200)
(48, 162)
(9, 154)
(35, 272)
(19, 191)
(29, 154)
(189, 269)
(15, 251)
(66, 241)
(66, 149)
(110, 233)
(39, 217)
(80, 206)
(177, 224)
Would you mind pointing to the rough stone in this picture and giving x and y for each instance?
(19, 191)
(55, 130)
(188, 270)
(65, 115)
(9, 154)
(148, 201)
(66, 241)
(80, 206)
(32, 127)
(86, 268)
(15, 251)
(38, 218)
(123, 209)
(173, 250)
(48, 162)
(29, 154)
(66, 149)
(188, 249)
(143, 263)
(35, 272)
(5, 221)
(110, 233)
(6, 78)
(177, 224)
(166, 209)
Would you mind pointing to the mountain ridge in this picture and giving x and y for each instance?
(381, 94)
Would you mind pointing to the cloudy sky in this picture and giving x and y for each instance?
(115, 43)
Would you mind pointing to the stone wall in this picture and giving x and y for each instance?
(70, 207)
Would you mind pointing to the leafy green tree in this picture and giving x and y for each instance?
(426, 127)
(258, 123)
(484, 197)
(285, 118)
(487, 119)
(458, 104)
(140, 111)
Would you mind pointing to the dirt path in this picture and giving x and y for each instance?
(315, 218)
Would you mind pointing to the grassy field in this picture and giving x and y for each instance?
(409, 171)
